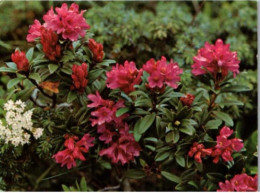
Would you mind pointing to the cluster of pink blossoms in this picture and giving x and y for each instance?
(162, 74)
(124, 77)
(79, 74)
(68, 22)
(74, 150)
(239, 183)
(224, 147)
(114, 131)
(215, 59)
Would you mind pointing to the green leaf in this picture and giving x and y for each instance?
(83, 185)
(225, 117)
(151, 139)
(94, 74)
(105, 164)
(189, 130)
(236, 88)
(146, 122)
(230, 103)
(53, 68)
(135, 174)
(137, 135)
(106, 62)
(29, 54)
(152, 148)
(213, 124)
(71, 97)
(14, 82)
(169, 138)
(35, 76)
(215, 176)
(5, 69)
(171, 177)
(126, 97)
(122, 111)
(192, 183)
(180, 160)
(67, 71)
(65, 188)
(162, 156)
(11, 65)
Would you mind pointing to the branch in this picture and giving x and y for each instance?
(110, 188)
(40, 88)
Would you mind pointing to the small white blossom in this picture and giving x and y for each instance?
(18, 122)
(38, 133)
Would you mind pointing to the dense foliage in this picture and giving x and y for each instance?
(129, 96)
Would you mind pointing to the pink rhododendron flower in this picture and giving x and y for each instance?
(68, 22)
(199, 151)
(50, 45)
(124, 149)
(124, 77)
(78, 76)
(122, 146)
(226, 187)
(225, 132)
(105, 110)
(187, 100)
(162, 74)
(215, 59)
(34, 31)
(225, 147)
(96, 49)
(74, 150)
(19, 58)
(239, 183)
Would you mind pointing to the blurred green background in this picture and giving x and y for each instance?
(140, 30)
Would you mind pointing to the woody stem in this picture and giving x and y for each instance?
(39, 88)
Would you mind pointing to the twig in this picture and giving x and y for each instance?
(42, 176)
(126, 185)
(197, 9)
(110, 188)
(40, 88)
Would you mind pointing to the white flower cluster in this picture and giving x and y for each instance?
(18, 123)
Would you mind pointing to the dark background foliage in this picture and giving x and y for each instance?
(136, 31)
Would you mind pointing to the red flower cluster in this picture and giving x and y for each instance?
(113, 130)
(19, 58)
(225, 147)
(162, 74)
(215, 59)
(124, 77)
(49, 41)
(239, 183)
(78, 76)
(188, 99)
(74, 150)
(199, 151)
(96, 49)
(68, 21)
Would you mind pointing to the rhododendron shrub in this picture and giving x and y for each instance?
(119, 125)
